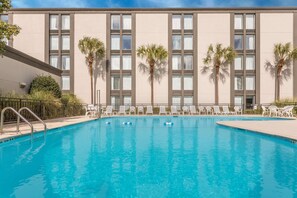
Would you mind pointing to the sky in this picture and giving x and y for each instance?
(149, 3)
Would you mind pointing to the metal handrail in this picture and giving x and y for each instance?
(19, 116)
(32, 113)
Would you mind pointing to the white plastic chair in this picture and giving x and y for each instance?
(108, 111)
(193, 110)
(91, 110)
(201, 109)
(149, 110)
(208, 110)
(122, 110)
(237, 110)
(216, 110)
(265, 111)
(162, 110)
(173, 110)
(226, 111)
(132, 110)
(185, 110)
(273, 110)
(140, 110)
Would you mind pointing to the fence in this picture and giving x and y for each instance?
(42, 108)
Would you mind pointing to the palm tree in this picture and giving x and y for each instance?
(94, 50)
(217, 61)
(284, 55)
(156, 56)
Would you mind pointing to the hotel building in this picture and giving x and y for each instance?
(52, 36)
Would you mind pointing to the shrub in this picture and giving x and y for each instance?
(72, 105)
(45, 84)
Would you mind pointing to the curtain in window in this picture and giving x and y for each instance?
(65, 22)
(65, 42)
(250, 21)
(115, 62)
(115, 22)
(127, 22)
(176, 22)
(176, 42)
(127, 62)
(65, 82)
(176, 83)
(188, 42)
(115, 42)
(238, 22)
(188, 83)
(127, 83)
(238, 83)
(54, 22)
(188, 100)
(66, 62)
(250, 83)
(238, 100)
(54, 61)
(250, 63)
(115, 83)
(127, 100)
(250, 42)
(188, 22)
(54, 43)
(188, 61)
(238, 63)
(176, 62)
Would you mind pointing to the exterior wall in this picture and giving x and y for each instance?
(275, 28)
(13, 72)
(217, 32)
(151, 29)
(31, 40)
(93, 25)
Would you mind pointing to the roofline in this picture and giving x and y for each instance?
(293, 8)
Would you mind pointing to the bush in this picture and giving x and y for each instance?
(72, 105)
(45, 84)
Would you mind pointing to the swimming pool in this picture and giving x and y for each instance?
(192, 157)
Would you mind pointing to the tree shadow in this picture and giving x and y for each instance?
(159, 71)
(223, 73)
(100, 69)
(286, 72)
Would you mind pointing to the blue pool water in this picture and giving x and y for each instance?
(194, 157)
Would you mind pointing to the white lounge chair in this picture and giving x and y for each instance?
(201, 109)
(273, 110)
(265, 111)
(140, 110)
(132, 110)
(226, 111)
(216, 110)
(193, 110)
(208, 110)
(238, 110)
(185, 110)
(122, 110)
(149, 110)
(162, 110)
(173, 110)
(108, 111)
(91, 110)
(286, 111)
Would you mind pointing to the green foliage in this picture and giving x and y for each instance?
(72, 105)
(154, 54)
(45, 84)
(7, 31)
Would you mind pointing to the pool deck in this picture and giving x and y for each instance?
(10, 129)
(280, 128)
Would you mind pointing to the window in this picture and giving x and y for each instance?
(238, 63)
(127, 42)
(176, 100)
(4, 18)
(65, 83)
(188, 62)
(250, 42)
(54, 42)
(250, 21)
(176, 42)
(127, 62)
(188, 42)
(250, 83)
(188, 22)
(238, 100)
(65, 42)
(54, 61)
(176, 83)
(115, 83)
(176, 22)
(115, 101)
(115, 42)
(127, 22)
(115, 22)
(127, 100)
(250, 62)
(238, 83)
(65, 22)
(238, 44)
(188, 82)
(176, 62)
(66, 62)
(238, 21)
(115, 62)
(127, 83)
(54, 22)
(188, 100)
(249, 101)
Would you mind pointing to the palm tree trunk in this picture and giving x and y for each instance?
(152, 83)
(92, 83)
(217, 86)
(277, 87)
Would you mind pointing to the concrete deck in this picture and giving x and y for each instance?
(10, 129)
(280, 128)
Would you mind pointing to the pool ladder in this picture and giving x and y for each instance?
(19, 116)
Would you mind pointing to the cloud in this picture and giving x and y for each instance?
(50, 3)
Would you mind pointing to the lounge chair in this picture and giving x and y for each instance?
(265, 111)
(140, 110)
(216, 110)
(91, 110)
(201, 109)
(185, 110)
(173, 110)
(238, 110)
(208, 110)
(132, 110)
(149, 110)
(193, 110)
(286, 111)
(122, 110)
(162, 110)
(273, 110)
(108, 111)
(226, 111)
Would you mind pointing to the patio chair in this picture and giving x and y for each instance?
(265, 111)
(201, 109)
(173, 110)
(286, 111)
(216, 110)
(162, 110)
(140, 110)
(132, 110)
(193, 110)
(226, 111)
(149, 110)
(91, 110)
(273, 110)
(238, 110)
(122, 110)
(108, 111)
(185, 110)
(208, 110)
